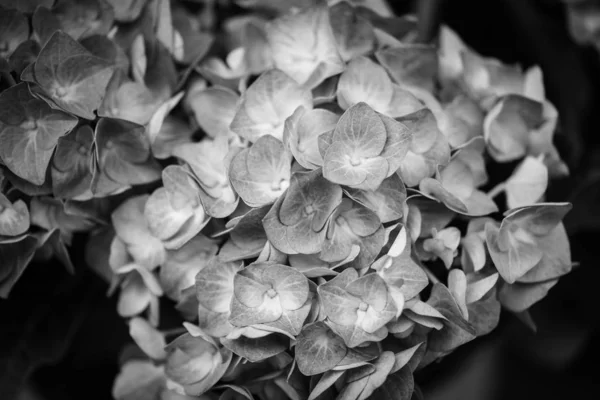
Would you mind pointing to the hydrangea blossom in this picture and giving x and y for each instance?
(315, 205)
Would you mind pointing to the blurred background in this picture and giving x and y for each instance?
(61, 337)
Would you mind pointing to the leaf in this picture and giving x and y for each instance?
(29, 131)
(527, 184)
(318, 349)
(255, 350)
(354, 34)
(304, 47)
(261, 173)
(457, 330)
(59, 73)
(14, 217)
(14, 258)
(148, 338)
(123, 152)
(73, 164)
(267, 103)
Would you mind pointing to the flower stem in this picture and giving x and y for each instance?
(429, 14)
(496, 190)
(430, 275)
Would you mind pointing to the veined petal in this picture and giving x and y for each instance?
(304, 47)
(267, 103)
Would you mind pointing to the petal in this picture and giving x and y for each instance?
(365, 81)
(304, 47)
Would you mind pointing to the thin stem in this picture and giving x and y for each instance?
(496, 190)
(429, 14)
(174, 331)
(430, 275)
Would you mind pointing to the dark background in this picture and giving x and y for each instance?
(60, 336)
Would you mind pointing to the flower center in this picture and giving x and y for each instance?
(309, 209)
(363, 306)
(3, 46)
(280, 185)
(60, 92)
(355, 161)
(82, 150)
(29, 125)
(271, 293)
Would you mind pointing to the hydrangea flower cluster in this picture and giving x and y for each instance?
(315, 205)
